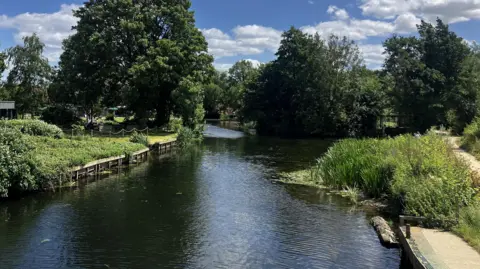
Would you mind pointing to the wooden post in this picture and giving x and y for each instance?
(76, 175)
(123, 132)
(91, 133)
(409, 232)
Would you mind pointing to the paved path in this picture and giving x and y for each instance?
(444, 250)
(467, 157)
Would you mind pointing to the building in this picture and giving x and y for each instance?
(7, 110)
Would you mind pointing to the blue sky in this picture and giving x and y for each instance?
(251, 29)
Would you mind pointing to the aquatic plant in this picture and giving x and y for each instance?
(420, 175)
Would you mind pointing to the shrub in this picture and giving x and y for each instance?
(60, 115)
(139, 138)
(110, 117)
(15, 165)
(471, 135)
(175, 124)
(419, 174)
(33, 127)
(188, 137)
(469, 225)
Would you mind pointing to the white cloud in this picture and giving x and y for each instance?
(247, 40)
(52, 28)
(225, 66)
(311, 2)
(255, 63)
(338, 13)
(406, 23)
(450, 11)
(353, 29)
(372, 54)
(222, 66)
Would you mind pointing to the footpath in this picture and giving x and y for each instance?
(429, 248)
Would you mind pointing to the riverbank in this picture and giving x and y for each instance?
(408, 175)
(38, 156)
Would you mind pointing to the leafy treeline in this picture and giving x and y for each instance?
(146, 55)
(225, 93)
(321, 87)
(314, 87)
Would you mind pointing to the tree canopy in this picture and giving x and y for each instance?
(314, 87)
(146, 54)
(29, 76)
(429, 78)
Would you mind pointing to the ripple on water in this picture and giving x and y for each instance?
(214, 208)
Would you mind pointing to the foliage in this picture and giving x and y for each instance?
(432, 77)
(139, 138)
(469, 225)
(175, 124)
(53, 157)
(421, 175)
(3, 65)
(33, 127)
(29, 77)
(110, 117)
(188, 137)
(60, 115)
(78, 129)
(147, 55)
(314, 87)
(15, 165)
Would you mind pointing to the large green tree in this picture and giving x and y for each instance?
(140, 53)
(28, 80)
(314, 87)
(426, 72)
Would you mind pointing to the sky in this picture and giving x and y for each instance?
(251, 29)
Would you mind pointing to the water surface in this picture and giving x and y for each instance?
(215, 207)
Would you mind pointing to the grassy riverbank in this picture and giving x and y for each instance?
(415, 176)
(37, 156)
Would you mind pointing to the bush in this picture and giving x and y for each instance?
(470, 137)
(110, 117)
(175, 124)
(419, 174)
(139, 138)
(33, 127)
(60, 115)
(469, 225)
(15, 165)
(188, 137)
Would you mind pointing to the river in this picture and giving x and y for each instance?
(215, 207)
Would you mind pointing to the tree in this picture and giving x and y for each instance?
(30, 76)
(426, 72)
(3, 65)
(214, 93)
(239, 75)
(137, 53)
(314, 87)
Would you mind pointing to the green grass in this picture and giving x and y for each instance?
(54, 157)
(421, 176)
(152, 138)
(469, 226)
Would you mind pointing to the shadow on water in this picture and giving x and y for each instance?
(214, 207)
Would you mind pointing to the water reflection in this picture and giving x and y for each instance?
(210, 208)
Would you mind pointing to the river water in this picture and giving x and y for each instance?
(215, 207)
